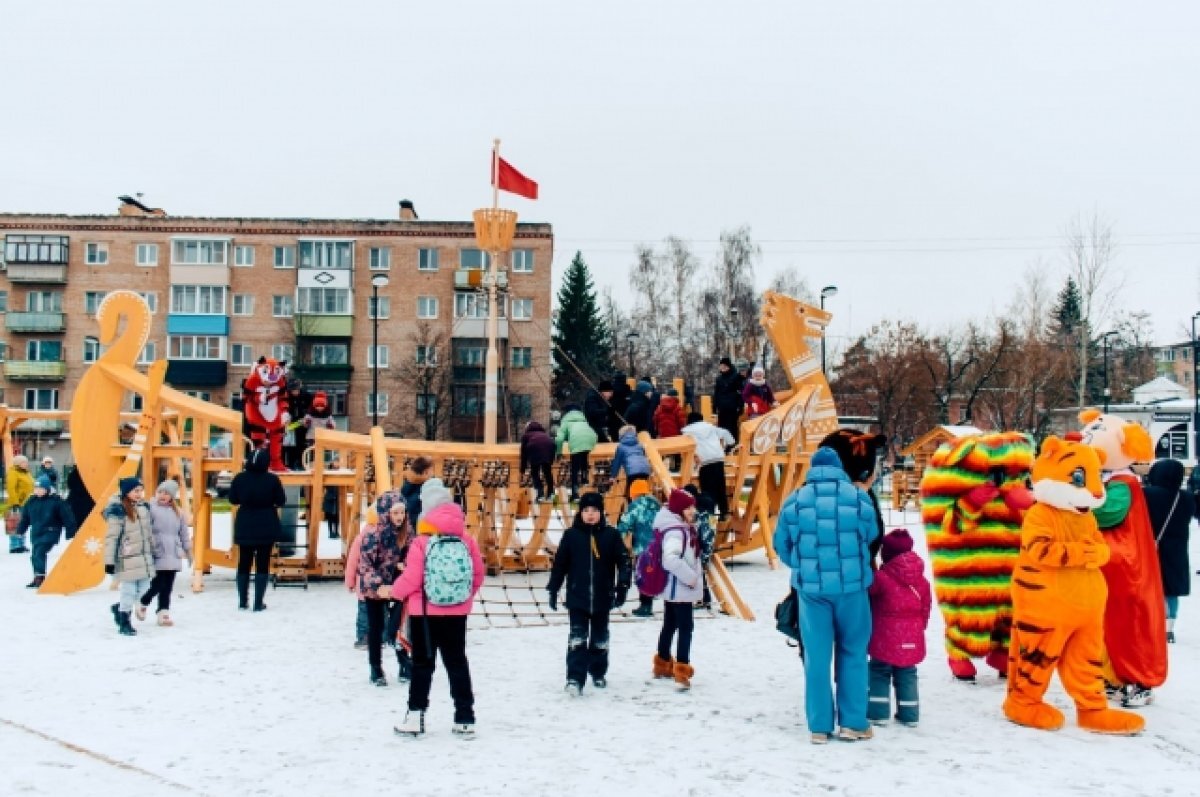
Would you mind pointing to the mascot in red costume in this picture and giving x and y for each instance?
(265, 404)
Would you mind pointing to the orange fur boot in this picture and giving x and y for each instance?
(663, 668)
(1042, 716)
(1110, 721)
(683, 675)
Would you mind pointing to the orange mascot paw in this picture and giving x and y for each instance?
(1042, 716)
(1111, 721)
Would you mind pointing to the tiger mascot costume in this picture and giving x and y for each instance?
(1059, 595)
(973, 496)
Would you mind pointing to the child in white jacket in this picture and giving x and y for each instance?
(685, 586)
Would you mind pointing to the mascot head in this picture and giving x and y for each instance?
(1066, 474)
(1123, 442)
(999, 460)
(270, 371)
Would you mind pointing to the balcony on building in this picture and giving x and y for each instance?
(35, 370)
(189, 324)
(200, 260)
(36, 258)
(35, 322)
(40, 425)
(320, 325)
(322, 374)
(471, 314)
(197, 373)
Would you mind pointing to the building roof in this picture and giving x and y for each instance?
(940, 434)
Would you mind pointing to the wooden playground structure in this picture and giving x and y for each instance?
(174, 431)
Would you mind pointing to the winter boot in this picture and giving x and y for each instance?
(645, 607)
(116, 613)
(405, 662)
(998, 659)
(963, 669)
(463, 730)
(573, 689)
(260, 589)
(243, 588)
(683, 675)
(377, 676)
(1136, 696)
(1110, 721)
(413, 725)
(851, 735)
(140, 611)
(124, 626)
(37, 582)
(1042, 716)
(663, 668)
(164, 618)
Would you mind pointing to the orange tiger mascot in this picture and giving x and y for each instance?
(1135, 636)
(1059, 594)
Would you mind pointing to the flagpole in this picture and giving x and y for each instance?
(491, 384)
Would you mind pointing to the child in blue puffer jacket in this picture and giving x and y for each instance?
(822, 534)
(631, 457)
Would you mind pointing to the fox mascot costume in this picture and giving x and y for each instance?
(265, 404)
(973, 496)
(1135, 636)
(1059, 595)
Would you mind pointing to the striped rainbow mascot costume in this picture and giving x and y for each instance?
(973, 497)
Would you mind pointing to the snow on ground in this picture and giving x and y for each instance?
(278, 703)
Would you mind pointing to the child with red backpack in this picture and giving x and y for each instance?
(443, 572)
(900, 606)
(676, 538)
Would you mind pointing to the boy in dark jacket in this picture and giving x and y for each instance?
(45, 514)
(537, 454)
(590, 557)
(596, 408)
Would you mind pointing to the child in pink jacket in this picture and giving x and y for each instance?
(438, 628)
(900, 606)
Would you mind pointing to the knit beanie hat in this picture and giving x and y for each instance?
(170, 487)
(384, 502)
(433, 494)
(644, 387)
(43, 482)
(895, 543)
(726, 361)
(639, 488)
(605, 386)
(126, 485)
(679, 501)
(593, 500)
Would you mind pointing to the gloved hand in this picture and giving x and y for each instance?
(553, 601)
(979, 497)
(619, 598)
(110, 569)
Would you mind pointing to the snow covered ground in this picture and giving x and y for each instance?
(278, 703)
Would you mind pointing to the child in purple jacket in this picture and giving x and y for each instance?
(900, 606)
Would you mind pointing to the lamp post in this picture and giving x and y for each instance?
(1195, 402)
(427, 369)
(378, 281)
(1107, 392)
(631, 337)
(826, 292)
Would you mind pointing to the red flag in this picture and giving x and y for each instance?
(511, 180)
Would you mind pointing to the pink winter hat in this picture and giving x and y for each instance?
(895, 543)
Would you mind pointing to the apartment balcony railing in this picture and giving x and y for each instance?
(37, 272)
(35, 370)
(35, 322)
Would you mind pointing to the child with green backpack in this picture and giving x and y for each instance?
(443, 572)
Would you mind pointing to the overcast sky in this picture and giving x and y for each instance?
(918, 155)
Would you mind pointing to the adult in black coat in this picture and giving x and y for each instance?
(590, 558)
(1171, 509)
(618, 404)
(258, 494)
(299, 401)
(78, 498)
(537, 453)
(596, 409)
(727, 396)
(640, 413)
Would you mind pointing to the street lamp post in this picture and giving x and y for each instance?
(1195, 402)
(427, 369)
(631, 337)
(826, 292)
(377, 282)
(1107, 392)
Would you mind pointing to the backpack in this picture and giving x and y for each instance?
(651, 576)
(449, 572)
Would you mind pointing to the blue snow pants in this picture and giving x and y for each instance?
(836, 630)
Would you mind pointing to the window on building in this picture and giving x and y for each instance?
(243, 256)
(380, 258)
(151, 298)
(326, 254)
(427, 260)
(44, 302)
(338, 400)
(329, 354)
(95, 254)
(41, 399)
(385, 307)
(203, 395)
(281, 306)
(3, 301)
(426, 354)
(35, 249)
(377, 357)
(148, 353)
(520, 405)
(147, 255)
(470, 354)
(135, 402)
(323, 301)
(284, 352)
(3, 352)
(522, 309)
(44, 351)
(383, 403)
(198, 299)
(522, 357)
(522, 261)
(285, 257)
(475, 305)
(91, 301)
(468, 400)
(243, 304)
(427, 403)
(473, 258)
(427, 307)
(241, 354)
(200, 253)
(91, 349)
(196, 347)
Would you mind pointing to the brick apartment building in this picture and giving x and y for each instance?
(1174, 361)
(226, 291)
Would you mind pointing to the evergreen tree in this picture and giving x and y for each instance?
(1066, 318)
(581, 337)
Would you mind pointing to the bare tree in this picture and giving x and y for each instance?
(1090, 252)
(429, 378)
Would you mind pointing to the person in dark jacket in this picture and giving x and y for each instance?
(1171, 509)
(299, 401)
(45, 515)
(330, 498)
(47, 469)
(259, 495)
(415, 476)
(640, 413)
(590, 558)
(78, 498)
(596, 409)
(727, 397)
(537, 453)
(618, 404)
